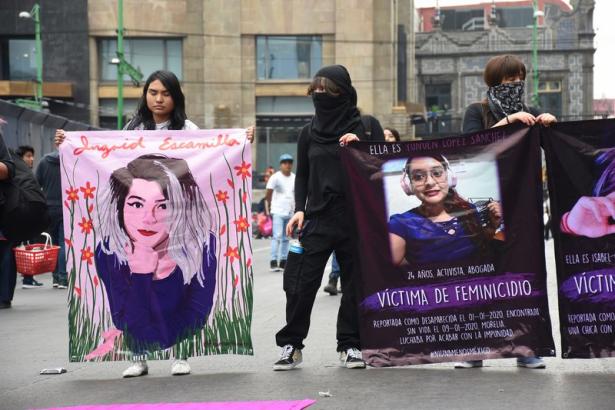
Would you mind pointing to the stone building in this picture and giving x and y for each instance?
(241, 62)
(454, 44)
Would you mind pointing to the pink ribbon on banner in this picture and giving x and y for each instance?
(106, 346)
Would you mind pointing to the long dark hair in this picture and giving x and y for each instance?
(457, 206)
(606, 183)
(144, 115)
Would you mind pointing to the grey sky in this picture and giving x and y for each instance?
(604, 42)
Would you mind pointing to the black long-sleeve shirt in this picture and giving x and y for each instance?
(473, 118)
(318, 181)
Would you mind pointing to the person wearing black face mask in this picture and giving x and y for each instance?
(505, 77)
(322, 217)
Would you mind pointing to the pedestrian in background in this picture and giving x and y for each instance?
(391, 135)
(8, 273)
(322, 215)
(504, 104)
(280, 201)
(26, 153)
(49, 177)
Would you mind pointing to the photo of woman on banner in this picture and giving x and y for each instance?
(594, 216)
(445, 227)
(156, 256)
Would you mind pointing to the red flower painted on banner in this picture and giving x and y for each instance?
(242, 224)
(223, 229)
(86, 225)
(87, 255)
(222, 196)
(230, 183)
(88, 191)
(243, 170)
(68, 242)
(249, 262)
(72, 194)
(236, 281)
(78, 291)
(95, 280)
(232, 253)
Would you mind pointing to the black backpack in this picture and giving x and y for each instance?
(23, 214)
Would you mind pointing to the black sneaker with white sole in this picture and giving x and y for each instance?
(290, 357)
(352, 358)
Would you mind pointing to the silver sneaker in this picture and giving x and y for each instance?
(136, 369)
(180, 368)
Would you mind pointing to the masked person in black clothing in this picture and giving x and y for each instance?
(322, 216)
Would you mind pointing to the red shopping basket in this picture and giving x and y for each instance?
(36, 258)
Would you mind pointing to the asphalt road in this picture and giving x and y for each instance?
(34, 336)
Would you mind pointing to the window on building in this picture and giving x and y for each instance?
(472, 19)
(515, 16)
(17, 59)
(108, 112)
(147, 54)
(550, 97)
(288, 57)
(438, 97)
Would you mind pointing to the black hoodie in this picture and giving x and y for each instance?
(49, 178)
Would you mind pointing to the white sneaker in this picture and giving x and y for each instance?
(352, 358)
(136, 369)
(180, 368)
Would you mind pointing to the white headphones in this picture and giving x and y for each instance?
(406, 185)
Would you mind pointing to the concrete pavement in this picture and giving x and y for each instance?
(34, 335)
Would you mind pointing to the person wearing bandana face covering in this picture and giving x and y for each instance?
(503, 105)
(504, 102)
(321, 215)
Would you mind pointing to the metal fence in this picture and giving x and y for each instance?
(23, 126)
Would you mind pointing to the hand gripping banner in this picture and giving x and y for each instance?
(158, 246)
(450, 248)
(581, 174)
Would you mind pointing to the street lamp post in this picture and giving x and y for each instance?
(120, 71)
(537, 14)
(35, 15)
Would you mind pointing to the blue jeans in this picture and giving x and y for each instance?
(280, 242)
(335, 268)
(56, 230)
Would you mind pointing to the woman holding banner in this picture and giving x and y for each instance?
(323, 217)
(503, 105)
(445, 227)
(161, 107)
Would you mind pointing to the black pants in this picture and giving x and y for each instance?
(302, 280)
(8, 271)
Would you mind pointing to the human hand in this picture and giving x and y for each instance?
(348, 138)
(250, 133)
(59, 137)
(142, 259)
(590, 217)
(495, 213)
(297, 219)
(546, 119)
(522, 116)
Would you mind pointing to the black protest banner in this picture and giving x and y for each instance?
(450, 248)
(581, 173)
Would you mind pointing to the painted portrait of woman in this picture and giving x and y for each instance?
(445, 227)
(156, 254)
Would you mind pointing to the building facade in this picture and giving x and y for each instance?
(240, 62)
(454, 44)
